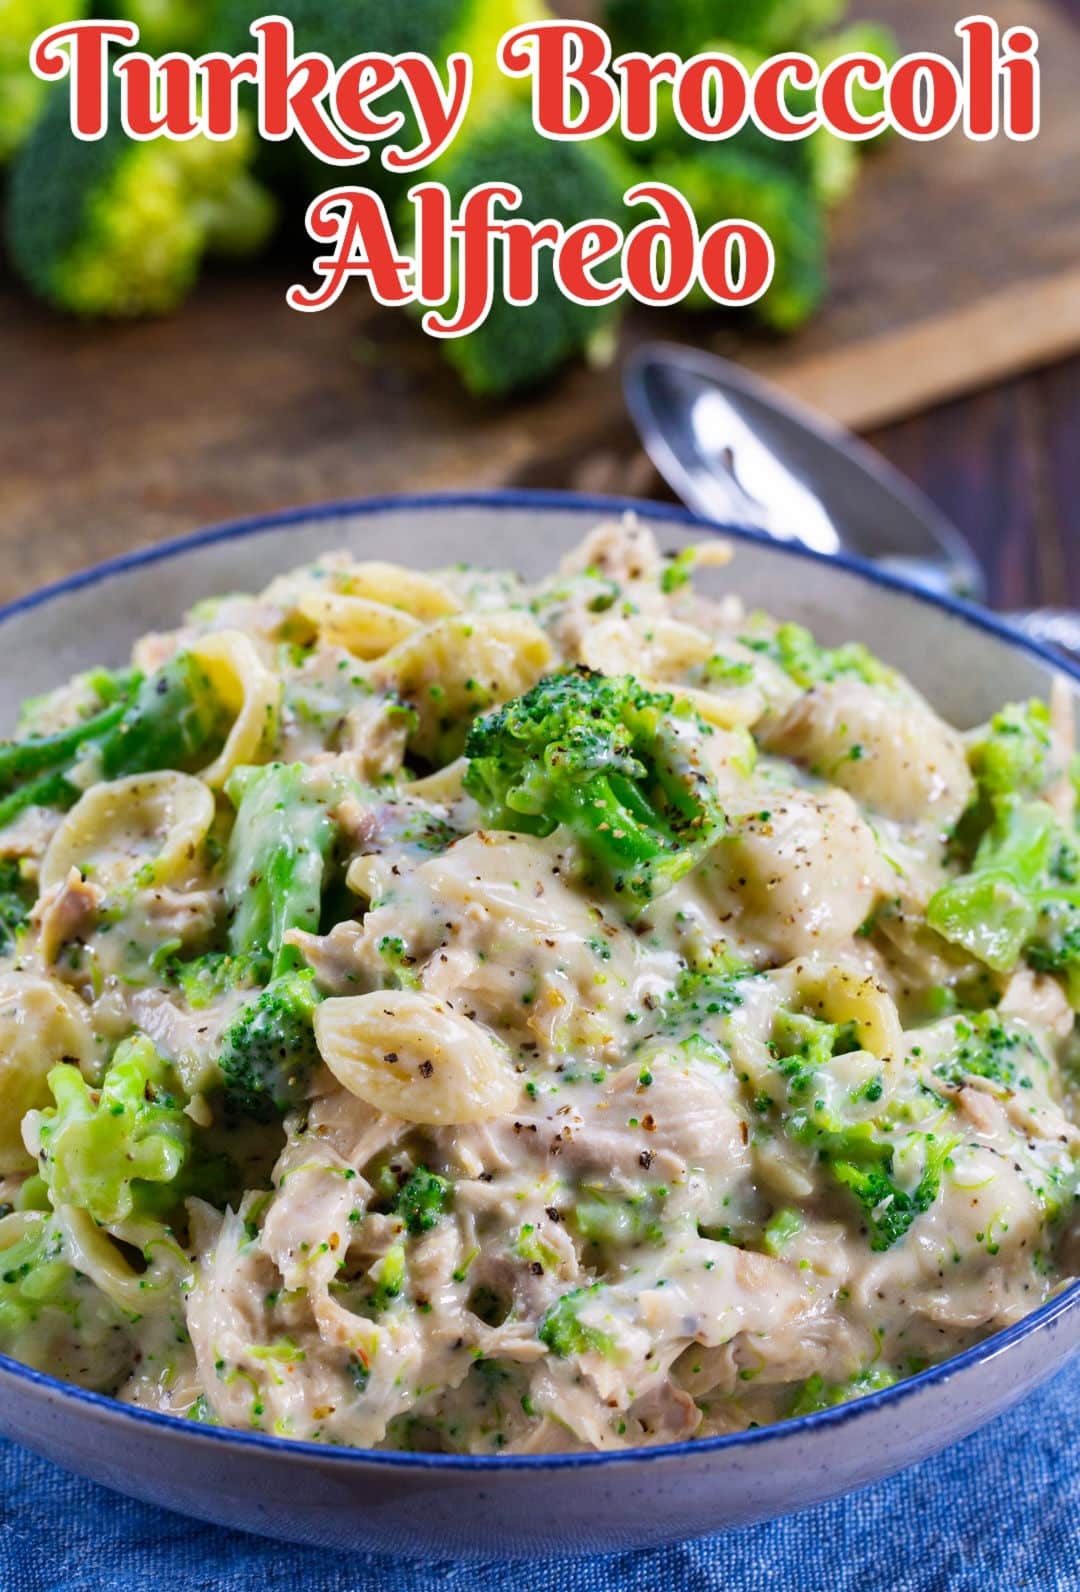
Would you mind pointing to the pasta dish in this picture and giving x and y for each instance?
(443, 1012)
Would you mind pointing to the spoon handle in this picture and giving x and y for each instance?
(1053, 627)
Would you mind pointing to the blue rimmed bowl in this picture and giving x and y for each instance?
(966, 662)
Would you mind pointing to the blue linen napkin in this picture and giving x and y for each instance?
(998, 1513)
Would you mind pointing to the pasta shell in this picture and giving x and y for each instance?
(412, 1056)
(668, 655)
(457, 667)
(41, 1025)
(149, 825)
(406, 589)
(249, 690)
(366, 629)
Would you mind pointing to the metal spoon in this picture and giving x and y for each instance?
(736, 450)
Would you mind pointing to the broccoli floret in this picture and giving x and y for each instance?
(817, 1394)
(1021, 897)
(521, 345)
(809, 664)
(339, 28)
(421, 1200)
(687, 26)
(275, 865)
(170, 24)
(52, 1316)
(858, 1156)
(21, 93)
(205, 978)
(117, 228)
(17, 896)
(268, 1051)
(1012, 756)
(987, 1046)
(172, 719)
(565, 1334)
(388, 1276)
(620, 766)
(114, 1151)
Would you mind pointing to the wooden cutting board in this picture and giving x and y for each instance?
(953, 266)
(956, 263)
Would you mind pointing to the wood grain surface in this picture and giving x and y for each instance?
(114, 437)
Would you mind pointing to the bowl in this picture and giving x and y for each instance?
(439, 1506)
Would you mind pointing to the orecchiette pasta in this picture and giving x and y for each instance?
(249, 690)
(148, 827)
(41, 1026)
(415, 1057)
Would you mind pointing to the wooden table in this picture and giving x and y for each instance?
(111, 438)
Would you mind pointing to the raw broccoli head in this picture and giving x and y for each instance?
(117, 228)
(688, 26)
(268, 1052)
(339, 29)
(115, 1151)
(620, 766)
(519, 346)
(21, 93)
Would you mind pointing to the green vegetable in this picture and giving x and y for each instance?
(118, 228)
(783, 1227)
(988, 1046)
(207, 977)
(421, 1200)
(1021, 897)
(17, 897)
(21, 93)
(816, 1394)
(857, 1155)
(809, 664)
(388, 1276)
(268, 1051)
(603, 1216)
(172, 719)
(339, 29)
(275, 865)
(620, 766)
(52, 1316)
(565, 1334)
(687, 26)
(729, 179)
(1012, 757)
(115, 1151)
(519, 346)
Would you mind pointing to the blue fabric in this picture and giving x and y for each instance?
(998, 1513)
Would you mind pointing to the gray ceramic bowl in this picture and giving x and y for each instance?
(437, 1506)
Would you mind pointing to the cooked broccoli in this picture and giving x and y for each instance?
(808, 663)
(17, 896)
(857, 1155)
(268, 1051)
(1021, 897)
(172, 719)
(565, 1334)
(1012, 756)
(21, 93)
(388, 1277)
(989, 1046)
(115, 1151)
(421, 1200)
(687, 26)
(521, 345)
(620, 766)
(204, 978)
(817, 1394)
(117, 228)
(52, 1316)
(276, 860)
